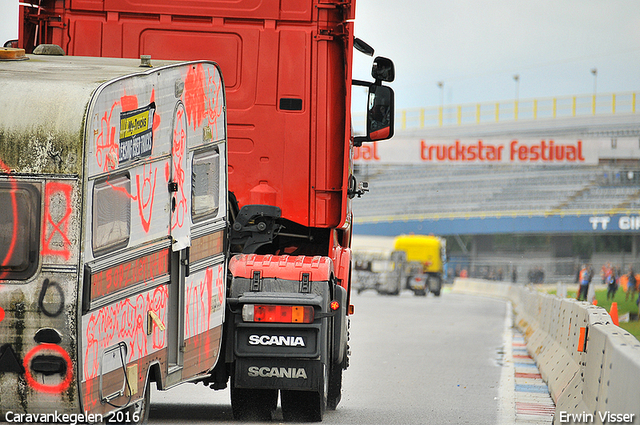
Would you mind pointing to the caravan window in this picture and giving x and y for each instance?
(19, 230)
(205, 185)
(111, 214)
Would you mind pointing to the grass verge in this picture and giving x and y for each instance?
(624, 307)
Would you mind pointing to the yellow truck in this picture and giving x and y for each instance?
(422, 263)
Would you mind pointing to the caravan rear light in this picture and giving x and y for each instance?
(277, 313)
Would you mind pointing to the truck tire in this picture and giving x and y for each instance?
(437, 287)
(250, 405)
(302, 406)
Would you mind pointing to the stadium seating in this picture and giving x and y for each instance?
(495, 190)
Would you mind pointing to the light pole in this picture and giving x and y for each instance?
(516, 78)
(441, 109)
(594, 71)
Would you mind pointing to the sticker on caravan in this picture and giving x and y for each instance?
(136, 133)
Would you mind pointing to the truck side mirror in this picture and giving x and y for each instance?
(380, 103)
(383, 70)
(380, 113)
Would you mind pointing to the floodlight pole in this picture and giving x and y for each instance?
(441, 110)
(516, 78)
(594, 71)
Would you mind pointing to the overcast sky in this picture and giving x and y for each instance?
(475, 47)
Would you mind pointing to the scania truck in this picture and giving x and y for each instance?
(287, 68)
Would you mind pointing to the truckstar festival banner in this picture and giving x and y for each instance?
(530, 151)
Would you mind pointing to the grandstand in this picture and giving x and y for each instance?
(403, 192)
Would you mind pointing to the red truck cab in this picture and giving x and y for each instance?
(287, 69)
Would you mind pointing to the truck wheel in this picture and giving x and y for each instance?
(302, 406)
(437, 287)
(253, 404)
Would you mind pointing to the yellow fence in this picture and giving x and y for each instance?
(514, 110)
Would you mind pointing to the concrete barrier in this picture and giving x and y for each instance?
(591, 366)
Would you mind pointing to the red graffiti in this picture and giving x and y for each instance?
(46, 388)
(220, 285)
(125, 321)
(201, 300)
(178, 152)
(90, 400)
(50, 227)
(146, 193)
(142, 269)
(106, 145)
(129, 102)
(214, 105)
(194, 95)
(198, 305)
(202, 97)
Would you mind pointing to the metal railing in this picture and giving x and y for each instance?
(515, 110)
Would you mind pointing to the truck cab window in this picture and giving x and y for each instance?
(111, 214)
(205, 199)
(19, 230)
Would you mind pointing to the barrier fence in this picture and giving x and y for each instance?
(513, 110)
(591, 366)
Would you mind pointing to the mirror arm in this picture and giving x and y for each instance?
(359, 140)
(366, 83)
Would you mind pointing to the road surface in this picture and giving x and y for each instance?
(414, 360)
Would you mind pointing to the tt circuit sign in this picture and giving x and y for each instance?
(616, 223)
(526, 151)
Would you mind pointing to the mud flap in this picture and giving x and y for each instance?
(339, 327)
(305, 375)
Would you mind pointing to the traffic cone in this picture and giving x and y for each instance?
(614, 313)
(595, 302)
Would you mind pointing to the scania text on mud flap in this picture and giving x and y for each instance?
(289, 341)
(112, 221)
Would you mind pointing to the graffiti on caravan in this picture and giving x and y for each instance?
(530, 151)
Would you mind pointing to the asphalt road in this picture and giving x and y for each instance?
(414, 360)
